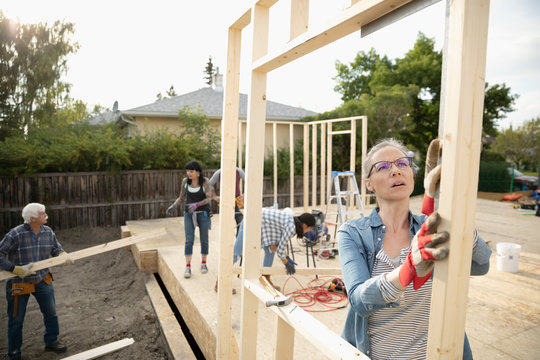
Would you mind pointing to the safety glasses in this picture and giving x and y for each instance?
(400, 163)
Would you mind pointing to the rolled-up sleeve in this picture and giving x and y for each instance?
(480, 256)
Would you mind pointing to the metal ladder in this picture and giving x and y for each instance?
(336, 193)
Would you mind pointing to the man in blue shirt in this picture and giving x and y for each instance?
(19, 249)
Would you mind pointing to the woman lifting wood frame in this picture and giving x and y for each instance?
(461, 120)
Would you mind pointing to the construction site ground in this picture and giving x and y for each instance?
(105, 298)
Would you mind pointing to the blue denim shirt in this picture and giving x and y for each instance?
(359, 241)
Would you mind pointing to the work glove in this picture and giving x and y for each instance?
(192, 207)
(432, 176)
(23, 271)
(290, 266)
(170, 209)
(239, 201)
(427, 245)
(68, 260)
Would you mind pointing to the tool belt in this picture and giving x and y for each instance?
(24, 288)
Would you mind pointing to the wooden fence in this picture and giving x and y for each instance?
(106, 199)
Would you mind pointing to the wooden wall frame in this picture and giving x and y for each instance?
(461, 139)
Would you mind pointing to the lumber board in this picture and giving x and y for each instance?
(348, 21)
(229, 147)
(274, 152)
(91, 251)
(306, 168)
(299, 271)
(464, 94)
(177, 343)
(291, 165)
(299, 17)
(328, 342)
(102, 350)
(254, 176)
(179, 288)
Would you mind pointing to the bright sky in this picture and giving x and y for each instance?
(132, 50)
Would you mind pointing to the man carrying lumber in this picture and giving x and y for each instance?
(19, 249)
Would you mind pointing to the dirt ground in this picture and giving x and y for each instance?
(99, 300)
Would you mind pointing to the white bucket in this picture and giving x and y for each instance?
(508, 256)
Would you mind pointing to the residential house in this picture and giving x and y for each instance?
(163, 114)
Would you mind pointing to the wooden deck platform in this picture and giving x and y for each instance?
(503, 317)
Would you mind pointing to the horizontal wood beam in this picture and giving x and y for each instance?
(319, 335)
(401, 13)
(341, 132)
(336, 120)
(243, 21)
(102, 350)
(299, 271)
(350, 20)
(94, 250)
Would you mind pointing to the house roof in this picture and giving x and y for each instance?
(101, 119)
(211, 104)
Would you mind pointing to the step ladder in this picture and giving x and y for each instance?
(344, 199)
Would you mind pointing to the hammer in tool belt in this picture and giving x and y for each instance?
(278, 300)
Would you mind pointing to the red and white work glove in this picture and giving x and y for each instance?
(427, 246)
(432, 177)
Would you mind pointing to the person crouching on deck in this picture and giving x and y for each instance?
(387, 259)
(277, 228)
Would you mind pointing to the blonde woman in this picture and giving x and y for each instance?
(387, 260)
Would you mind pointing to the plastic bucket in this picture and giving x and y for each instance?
(508, 257)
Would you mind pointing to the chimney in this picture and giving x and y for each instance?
(217, 81)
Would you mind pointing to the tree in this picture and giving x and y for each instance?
(170, 93)
(33, 57)
(406, 93)
(201, 138)
(497, 103)
(522, 145)
(355, 79)
(209, 72)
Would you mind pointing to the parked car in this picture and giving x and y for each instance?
(522, 181)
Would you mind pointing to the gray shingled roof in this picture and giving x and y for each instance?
(211, 103)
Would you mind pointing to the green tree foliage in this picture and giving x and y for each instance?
(355, 79)
(209, 71)
(168, 94)
(497, 103)
(402, 98)
(283, 162)
(33, 57)
(67, 148)
(159, 150)
(202, 140)
(79, 146)
(521, 146)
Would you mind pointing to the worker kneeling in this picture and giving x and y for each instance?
(277, 228)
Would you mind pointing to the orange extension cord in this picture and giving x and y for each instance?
(317, 293)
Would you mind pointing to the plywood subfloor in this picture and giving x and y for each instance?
(503, 317)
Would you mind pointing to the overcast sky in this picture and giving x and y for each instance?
(132, 50)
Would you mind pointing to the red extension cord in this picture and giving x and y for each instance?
(317, 293)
